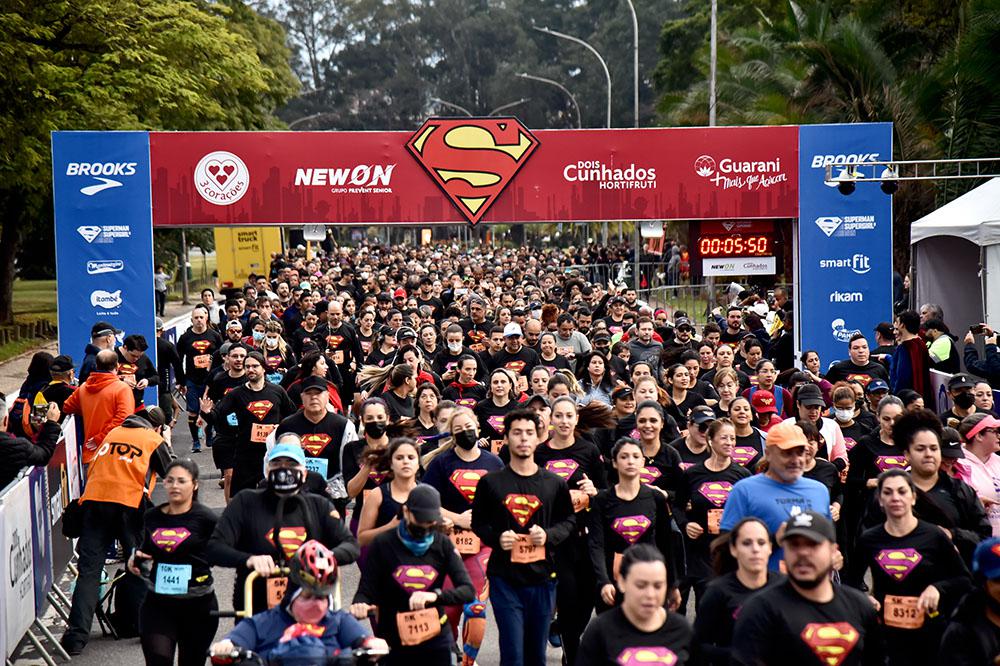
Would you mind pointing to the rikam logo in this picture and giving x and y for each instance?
(472, 159)
(99, 172)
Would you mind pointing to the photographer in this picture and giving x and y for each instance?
(989, 366)
(16, 453)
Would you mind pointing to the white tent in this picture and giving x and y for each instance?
(956, 258)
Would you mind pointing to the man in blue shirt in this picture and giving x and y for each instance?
(780, 492)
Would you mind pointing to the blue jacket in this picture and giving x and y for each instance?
(989, 367)
(262, 632)
(89, 363)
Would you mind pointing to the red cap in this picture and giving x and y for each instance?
(399, 293)
(763, 402)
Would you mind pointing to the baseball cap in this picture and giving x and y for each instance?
(383, 297)
(986, 559)
(61, 363)
(287, 450)
(159, 324)
(786, 435)
(876, 385)
(763, 402)
(103, 328)
(621, 393)
(512, 330)
(976, 423)
(538, 397)
(405, 332)
(399, 293)
(814, 526)
(683, 322)
(313, 383)
(234, 323)
(424, 503)
(617, 300)
(960, 381)
(810, 395)
(951, 444)
(701, 414)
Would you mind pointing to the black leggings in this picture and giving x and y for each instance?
(184, 624)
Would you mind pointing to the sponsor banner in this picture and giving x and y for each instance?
(739, 266)
(62, 472)
(16, 570)
(41, 537)
(493, 170)
(104, 258)
(845, 242)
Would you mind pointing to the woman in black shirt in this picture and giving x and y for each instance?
(682, 400)
(490, 411)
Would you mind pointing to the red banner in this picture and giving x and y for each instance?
(225, 178)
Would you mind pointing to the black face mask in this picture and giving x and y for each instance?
(465, 439)
(375, 429)
(964, 400)
(418, 531)
(284, 481)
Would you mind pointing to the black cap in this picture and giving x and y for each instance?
(701, 414)
(103, 328)
(405, 332)
(960, 381)
(617, 299)
(313, 382)
(811, 525)
(810, 395)
(424, 503)
(621, 393)
(683, 322)
(951, 444)
(61, 363)
(602, 337)
(538, 397)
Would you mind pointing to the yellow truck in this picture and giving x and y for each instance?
(241, 251)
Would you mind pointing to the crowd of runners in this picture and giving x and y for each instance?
(493, 430)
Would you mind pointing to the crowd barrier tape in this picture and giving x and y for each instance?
(35, 554)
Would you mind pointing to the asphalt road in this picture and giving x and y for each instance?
(103, 651)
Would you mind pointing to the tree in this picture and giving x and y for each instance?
(116, 65)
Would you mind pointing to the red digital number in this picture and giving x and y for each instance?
(758, 245)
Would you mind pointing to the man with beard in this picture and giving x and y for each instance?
(781, 491)
(220, 382)
(859, 367)
(343, 348)
(807, 619)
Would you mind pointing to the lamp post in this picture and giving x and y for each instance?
(452, 106)
(713, 60)
(561, 87)
(607, 74)
(508, 105)
(635, 102)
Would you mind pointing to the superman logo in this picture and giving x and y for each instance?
(649, 474)
(996, 549)
(476, 335)
(315, 443)
(496, 422)
(562, 468)
(334, 341)
(631, 528)
(743, 454)
(302, 629)
(716, 492)
(290, 539)
(414, 577)
(273, 361)
(831, 642)
(861, 379)
(641, 656)
(634, 434)
(849, 443)
(890, 462)
(898, 562)
(515, 366)
(466, 402)
(472, 160)
(168, 539)
(127, 368)
(366, 346)
(260, 408)
(201, 346)
(377, 477)
(465, 482)
(522, 507)
(686, 465)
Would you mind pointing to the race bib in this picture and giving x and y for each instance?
(495, 446)
(276, 590)
(902, 612)
(260, 431)
(714, 520)
(203, 361)
(580, 499)
(416, 627)
(466, 542)
(172, 578)
(338, 357)
(525, 552)
(318, 465)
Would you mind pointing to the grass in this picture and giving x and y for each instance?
(12, 349)
(34, 300)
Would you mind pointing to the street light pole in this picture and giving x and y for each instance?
(450, 105)
(607, 74)
(635, 60)
(714, 54)
(561, 87)
(508, 105)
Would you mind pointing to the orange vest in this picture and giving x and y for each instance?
(120, 472)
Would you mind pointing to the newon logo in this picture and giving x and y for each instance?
(221, 178)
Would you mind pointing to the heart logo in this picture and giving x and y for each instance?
(465, 482)
(221, 171)
(522, 507)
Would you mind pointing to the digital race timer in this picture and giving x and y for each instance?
(736, 245)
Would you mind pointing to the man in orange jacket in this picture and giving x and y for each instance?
(103, 402)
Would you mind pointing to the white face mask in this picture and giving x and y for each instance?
(843, 415)
(455, 347)
(271, 342)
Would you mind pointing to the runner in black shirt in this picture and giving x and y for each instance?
(220, 383)
(693, 448)
(641, 630)
(491, 411)
(464, 390)
(807, 620)
(324, 434)
(446, 362)
(195, 347)
(360, 473)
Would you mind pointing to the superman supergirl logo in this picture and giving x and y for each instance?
(289, 538)
(644, 656)
(472, 160)
(496, 422)
(890, 462)
(522, 507)
(649, 474)
(716, 492)
(631, 528)
(315, 443)
(334, 341)
(414, 577)
(898, 562)
(466, 481)
(259, 408)
(564, 469)
(831, 642)
(744, 454)
(168, 539)
(201, 346)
